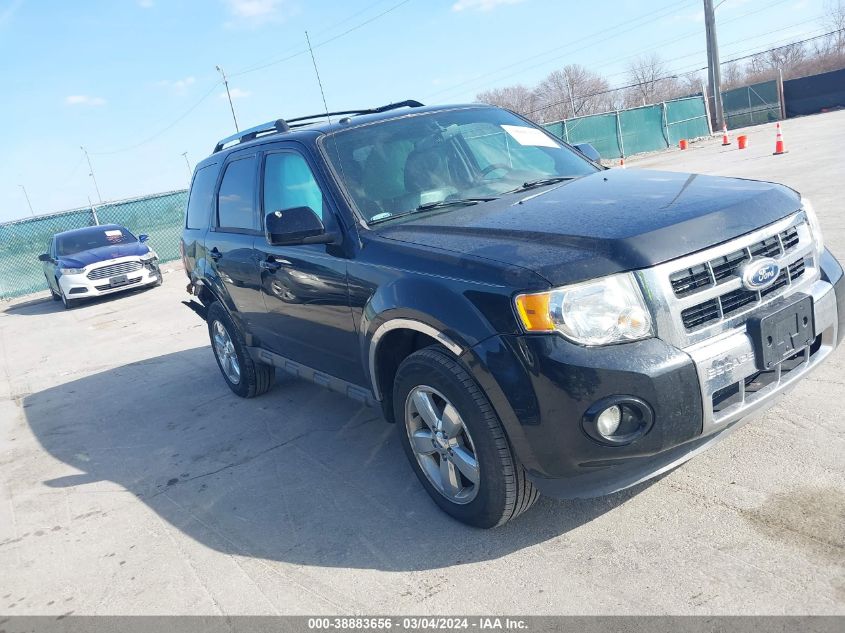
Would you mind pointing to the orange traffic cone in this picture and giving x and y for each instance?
(622, 163)
(779, 148)
(725, 139)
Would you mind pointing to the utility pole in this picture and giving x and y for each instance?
(714, 76)
(26, 195)
(91, 173)
(229, 94)
(188, 163)
(571, 98)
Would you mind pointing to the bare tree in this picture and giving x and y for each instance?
(518, 98)
(834, 20)
(733, 75)
(787, 59)
(572, 91)
(650, 81)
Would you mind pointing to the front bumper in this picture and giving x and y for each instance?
(541, 387)
(79, 286)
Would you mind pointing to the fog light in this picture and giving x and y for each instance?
(609, 420)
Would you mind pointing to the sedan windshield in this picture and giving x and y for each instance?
(95, 237)
(410, 164)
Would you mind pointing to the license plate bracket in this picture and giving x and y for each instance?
(118, 280)
(786, 327)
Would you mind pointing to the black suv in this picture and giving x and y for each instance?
(534, 322)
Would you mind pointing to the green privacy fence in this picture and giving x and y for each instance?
(160, 216)
(644, 129)
(750, 105)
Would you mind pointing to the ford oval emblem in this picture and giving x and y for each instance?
(759, 274)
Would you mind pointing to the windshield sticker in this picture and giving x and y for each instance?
(114, 235)
(529, 136)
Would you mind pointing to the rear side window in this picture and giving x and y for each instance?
(202, 192)
(236, 198)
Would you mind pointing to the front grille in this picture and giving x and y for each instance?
(109, 286)
(114, 269)
(706, 275)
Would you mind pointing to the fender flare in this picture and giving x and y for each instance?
(406, 324)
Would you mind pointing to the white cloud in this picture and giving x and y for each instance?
(180, 86)
(84, 100)
(254, 13)
(236, 93)
(481, 5)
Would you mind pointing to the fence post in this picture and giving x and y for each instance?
(619, 134)
(94, 215)
(665, 122)
(780, 94)
(565, 132)
(707, 110)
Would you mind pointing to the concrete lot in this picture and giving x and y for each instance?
(133, 482)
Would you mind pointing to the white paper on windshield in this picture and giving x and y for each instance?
(529, 136)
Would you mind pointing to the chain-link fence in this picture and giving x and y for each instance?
(21, 242)
(644, 129)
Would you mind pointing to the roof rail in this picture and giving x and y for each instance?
(410, 103)
(280, 126)
(275, 127)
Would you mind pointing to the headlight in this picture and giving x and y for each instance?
(815, 228)
(600, 312)
(72, 271)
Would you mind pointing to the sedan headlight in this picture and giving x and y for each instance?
(599, 312)
(815, 228)
(72, 271)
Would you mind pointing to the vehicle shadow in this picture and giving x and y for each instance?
(299, 475)
(47, 305)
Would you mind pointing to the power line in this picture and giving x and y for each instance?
(631, 23)
(164, 129)
(676, 74)
(683, 36)
(324, 42)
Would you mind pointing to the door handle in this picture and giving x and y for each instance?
(215, 254)
(270, 264)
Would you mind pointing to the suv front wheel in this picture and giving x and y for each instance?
(455, 442)
(244, 376)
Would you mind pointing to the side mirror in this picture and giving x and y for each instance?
(589, 151)
(44, 257)
(299, 225)
(143, 237)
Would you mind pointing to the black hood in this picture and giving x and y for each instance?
(611, 221)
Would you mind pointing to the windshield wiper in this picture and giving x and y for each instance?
(541, 182)
(442, 204)
(428, 206)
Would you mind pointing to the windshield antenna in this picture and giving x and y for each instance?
(317, 72)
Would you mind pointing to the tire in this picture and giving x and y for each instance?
(53, 294)
(252, 378)
(69, 304)
(503, 491)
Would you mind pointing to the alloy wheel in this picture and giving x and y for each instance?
(441, 444)
(224, 349)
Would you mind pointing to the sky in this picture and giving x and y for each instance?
(134, 81)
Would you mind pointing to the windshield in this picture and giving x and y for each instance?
(79, 241)
(395, 167)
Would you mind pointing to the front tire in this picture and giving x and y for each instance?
(245, 377)
(53, 294)
(69, 304)
(455, 442)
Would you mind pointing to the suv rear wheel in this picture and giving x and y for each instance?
(456, 443)
(244, 376)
